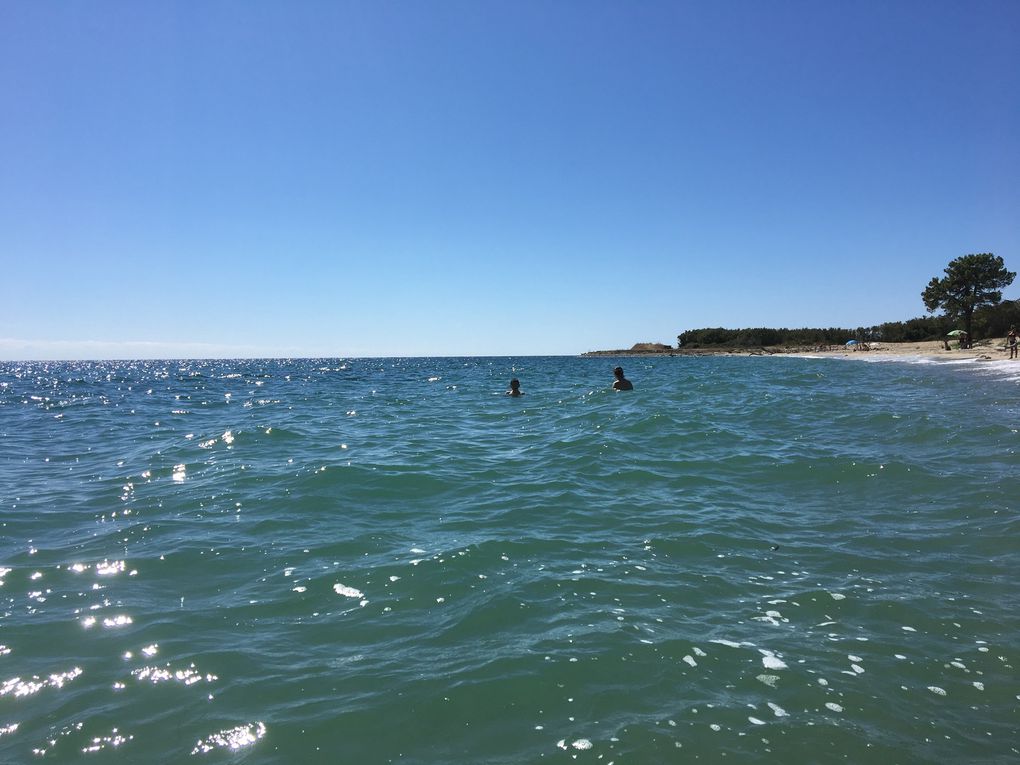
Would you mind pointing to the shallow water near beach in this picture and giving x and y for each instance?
(755, 560)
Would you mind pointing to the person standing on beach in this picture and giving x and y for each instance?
(1011, 339)
(515, 388)
(621, 382)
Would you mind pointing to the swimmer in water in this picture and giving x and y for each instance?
(515, 388)
(621, 382)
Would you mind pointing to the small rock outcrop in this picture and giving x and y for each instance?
(650, 348)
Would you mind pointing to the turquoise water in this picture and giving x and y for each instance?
(754, 560)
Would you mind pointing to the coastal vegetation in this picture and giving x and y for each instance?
(987, 321)
(969, 296)
(970, 282)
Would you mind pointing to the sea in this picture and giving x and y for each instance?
(388, 560)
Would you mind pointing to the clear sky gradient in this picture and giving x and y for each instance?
(445, 178)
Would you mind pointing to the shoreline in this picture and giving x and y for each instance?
(991, 349)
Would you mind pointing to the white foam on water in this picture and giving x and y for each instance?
(833, 706)
(582, 744)
(936, 690)
(777, 710)
(731, 644)
(690, 660)
(698, 651)
(349, 592)
(837, 596)
(908, 629)
(755, 721)
(770, 661)
(979, 685)
(769, 680)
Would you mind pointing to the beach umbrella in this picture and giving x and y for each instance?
(955, 332)
(851, 342)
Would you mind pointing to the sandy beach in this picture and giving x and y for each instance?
(992, 349)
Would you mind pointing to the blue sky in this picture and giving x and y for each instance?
(446, 178)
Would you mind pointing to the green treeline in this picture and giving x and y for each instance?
(991, 321)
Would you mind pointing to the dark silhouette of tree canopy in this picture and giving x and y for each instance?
(971, 281)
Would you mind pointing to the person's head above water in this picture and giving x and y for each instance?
(621, 382)
(515, 388)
